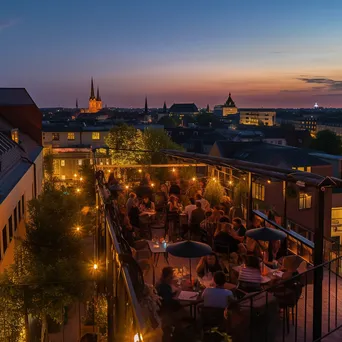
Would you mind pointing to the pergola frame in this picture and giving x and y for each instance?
(300, 178)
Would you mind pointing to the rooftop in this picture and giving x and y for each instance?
(183, 108)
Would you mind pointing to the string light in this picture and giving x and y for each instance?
(269, 181)
(230, 182)
(126, 186)
(97, 207)
(81, 179)
(193, 179)
(78, 190)
(139, 170)
(152, 184)
(244, 178)
(95, 267)
(78, 228)
(173, 169)
(75, 175)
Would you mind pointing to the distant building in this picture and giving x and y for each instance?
(266, 117)
(335, 127)
(21, 166)
(306, 122)
(229, 107)
(182, 109)
(95, 103)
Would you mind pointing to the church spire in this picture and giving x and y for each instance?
(146, 106)
(98, 98)
(76, 103)
(164, 108)
(92, 93)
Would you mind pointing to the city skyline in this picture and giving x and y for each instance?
(266, 54)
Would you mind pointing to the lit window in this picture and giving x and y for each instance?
(15, 135)
(71, 136)
(62, 162)
(55, 136)
(63, 177)
(305, 200)
(95, 135)
(79, 162)
(258, 191)
(107, 161)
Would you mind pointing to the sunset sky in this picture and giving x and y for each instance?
(267, 53)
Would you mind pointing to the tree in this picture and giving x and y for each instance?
(88, 184)
(328, 142)
(156, 139)
(207, 119)
(128, 138)
(48, 273)
(48, 166)
(169, 121)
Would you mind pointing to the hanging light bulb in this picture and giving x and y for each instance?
(173, 169)
(230, 182)
(193, 179)
(269, 181)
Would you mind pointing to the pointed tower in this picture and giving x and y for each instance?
(208, 108)
(229, 107)
(146, 106)
(98, 100)
(76, 103)
(92, 99)
(164, 108)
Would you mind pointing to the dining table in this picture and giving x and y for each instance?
(157, 248)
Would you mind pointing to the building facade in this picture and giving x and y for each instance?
(258, 117)
(21, 161)
(95, 103)
(229, 108)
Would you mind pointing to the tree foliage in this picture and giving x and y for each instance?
(208, 120)
(88, 184)
(156, 139)
(328, 142)
(128, 138)
(169, 122)
(48, 166)
(48, 273)
(214, 192)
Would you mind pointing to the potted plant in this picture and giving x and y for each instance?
(214, 192)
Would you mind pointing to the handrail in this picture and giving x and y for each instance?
(127, 278)
(298, 276)
(291, 233)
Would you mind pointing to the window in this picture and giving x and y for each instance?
(15, 219)
(15, 135)
(63, 177)
(305, 200)
(95, 135)
(19, 210)
(258, 191)
(79, 162)
(62, 162)
(4, 239)
(10, 228)
(71, 136)
(23, 204)
(55, 136)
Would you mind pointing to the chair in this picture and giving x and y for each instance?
(287, 297)
(212, 318)
(159, 224)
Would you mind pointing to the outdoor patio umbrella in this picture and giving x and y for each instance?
(266, 234)
(189, 249)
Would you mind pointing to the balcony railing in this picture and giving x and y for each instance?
(301, 246)
(123, 284)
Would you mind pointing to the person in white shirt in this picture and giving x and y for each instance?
(189, 208)
(217, 297)
(204, 203)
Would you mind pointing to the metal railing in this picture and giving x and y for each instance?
(125, 316)
(257, 318)
(300, 245)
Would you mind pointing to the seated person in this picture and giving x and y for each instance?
(166, 291)
(250, 277)
(216, 214)
(217, 297)
(224, 242)
(204, 203)
(197, 216)
(189, 209)
(239, 229)
(207, 221)
(146, 205)
(209, 264)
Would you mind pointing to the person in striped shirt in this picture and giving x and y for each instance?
(250, 277)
